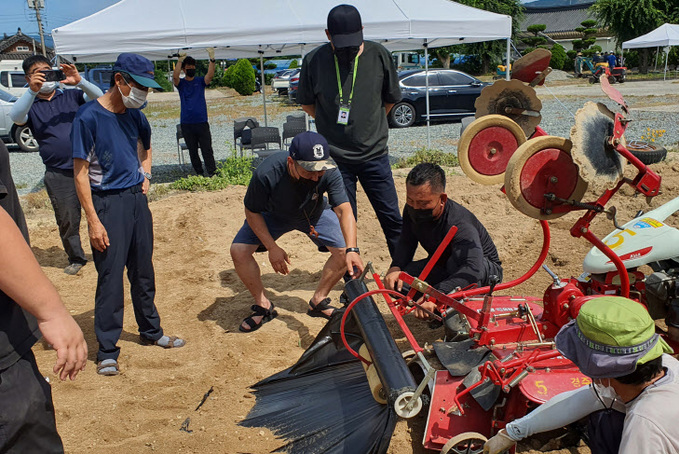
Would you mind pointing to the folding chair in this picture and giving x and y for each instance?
(181, 146)
(240, 125)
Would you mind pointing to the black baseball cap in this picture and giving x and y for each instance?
(345, 26)
(311, 151)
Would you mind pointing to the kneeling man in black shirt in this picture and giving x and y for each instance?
(470, 258)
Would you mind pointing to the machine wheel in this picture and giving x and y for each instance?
(486, 146)
(465, 443)
(647, 153)
(23, 137)
(402, 115)
(540, 166)
(402, 402)
(591, 79)
(621, 79)
(611, 79)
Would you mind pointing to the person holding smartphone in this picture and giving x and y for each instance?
(49, 111)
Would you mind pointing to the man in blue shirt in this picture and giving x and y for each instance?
(49, 111)
(112, 165)
(193, 118)
(612, 61)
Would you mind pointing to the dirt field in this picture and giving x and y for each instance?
(200, 298)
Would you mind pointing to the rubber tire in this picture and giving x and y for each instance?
(621, 79)
(611, 80)
(403, 109)
(447, 448)
(26, 143)
(650, 154)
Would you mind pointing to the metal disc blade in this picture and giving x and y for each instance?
(599, 163)
(508, 97)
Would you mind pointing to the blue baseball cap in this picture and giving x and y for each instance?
(311, 151)
(139, 68)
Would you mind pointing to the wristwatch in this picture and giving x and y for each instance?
(147, 175)
(353, 249)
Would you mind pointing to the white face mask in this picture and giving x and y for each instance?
(48, 87)
(136, 98)
(605, 392)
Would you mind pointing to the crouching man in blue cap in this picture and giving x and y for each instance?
(633, 401)
(112, 164)
(286, 193)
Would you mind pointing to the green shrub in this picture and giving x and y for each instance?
(428, 155)
(227, 77)
(233, 171)
(293, 64)
(559, 57)
(242, 77)
(161, 78)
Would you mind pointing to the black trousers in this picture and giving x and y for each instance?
(604, 430)
(127, 219)
(198, 135)
(60, 188)
(27, 422)
(440, 273)
(378, 183)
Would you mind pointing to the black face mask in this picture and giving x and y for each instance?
(420, 216)
(306, 183)
(346, 55)
(190, 72)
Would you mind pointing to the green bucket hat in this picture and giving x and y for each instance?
(609, 337)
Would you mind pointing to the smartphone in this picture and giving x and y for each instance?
(54, 75)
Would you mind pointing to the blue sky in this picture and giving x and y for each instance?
(15, 13)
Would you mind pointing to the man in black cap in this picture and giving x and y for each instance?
(286, 193)
(349, 86)
(112, 164)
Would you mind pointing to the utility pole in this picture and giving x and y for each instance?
(37, 5)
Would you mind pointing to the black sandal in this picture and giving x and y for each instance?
(317, 310)
(257, 311)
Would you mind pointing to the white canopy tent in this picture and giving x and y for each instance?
(663, 36)
(267, 28)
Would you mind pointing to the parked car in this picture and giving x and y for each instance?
(292, 89)
(282, 82)
(11, 133)
(13, 82)
(451, 95)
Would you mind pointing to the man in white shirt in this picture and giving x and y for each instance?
(634, 397)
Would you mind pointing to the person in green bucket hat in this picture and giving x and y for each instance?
(633, 401)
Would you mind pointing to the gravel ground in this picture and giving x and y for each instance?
(653, 105)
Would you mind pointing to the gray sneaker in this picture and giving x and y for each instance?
(73, 268)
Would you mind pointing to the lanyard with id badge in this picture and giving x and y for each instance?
(345, 106)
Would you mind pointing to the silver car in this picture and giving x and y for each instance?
(11, 133)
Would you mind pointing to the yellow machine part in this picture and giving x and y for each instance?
(374, 382)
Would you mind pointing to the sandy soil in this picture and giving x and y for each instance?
(200, 298)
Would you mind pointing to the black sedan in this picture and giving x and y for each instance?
(451, 95)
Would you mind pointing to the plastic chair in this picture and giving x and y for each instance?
(239, 126)
(291, 129)
(262, 137)
(181, 146)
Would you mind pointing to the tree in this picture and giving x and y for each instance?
(536, 40)
(628, 19)
(559, 57)
(588, 30)
(490, 50)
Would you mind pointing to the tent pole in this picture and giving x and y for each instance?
(306, 115)
(655, 68)
(261, 68)
(509, 52)
(667, 57)
(426, 84)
